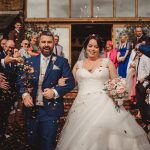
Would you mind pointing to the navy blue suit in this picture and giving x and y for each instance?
(44, 123)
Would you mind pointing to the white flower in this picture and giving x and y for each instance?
(54, 59)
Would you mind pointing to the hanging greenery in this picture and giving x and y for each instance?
(37, 28)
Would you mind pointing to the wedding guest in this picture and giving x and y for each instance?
(17, 35)
(93, 113)
(33, 49)
(143, 73)
(58, 49)
(8, 95)
(111, 53)
(123, 55)
(139, 37)
(24, 49)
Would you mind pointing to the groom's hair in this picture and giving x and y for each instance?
(46, 33)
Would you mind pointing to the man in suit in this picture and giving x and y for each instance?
(16, 35)
(140, 37)
(58, 49)
(145, 86)
(44, 104)
(8, 91)
(142, 71)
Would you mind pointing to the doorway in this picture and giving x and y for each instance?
(80, 31)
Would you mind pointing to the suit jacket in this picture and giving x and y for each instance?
(17, 37)
(10, 72)
(58, 50)
(140, 40)
(55, 70)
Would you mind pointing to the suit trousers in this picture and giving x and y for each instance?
(41, 132)
(142, 105)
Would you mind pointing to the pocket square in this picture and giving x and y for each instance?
(56, 67)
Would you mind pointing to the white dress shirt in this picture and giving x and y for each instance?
(143, 68)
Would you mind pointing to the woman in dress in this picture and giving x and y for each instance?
(123, 55)
(111, 53)
(93, 123)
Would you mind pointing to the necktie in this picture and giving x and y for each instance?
(137, 67)
(44, 65)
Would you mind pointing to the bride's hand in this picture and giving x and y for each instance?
(61, 81)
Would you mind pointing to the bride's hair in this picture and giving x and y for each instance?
(95, 37)
(100, 43)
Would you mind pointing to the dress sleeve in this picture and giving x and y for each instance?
(105, 62)
(128, 45)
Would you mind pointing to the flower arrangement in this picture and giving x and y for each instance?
(115, 88)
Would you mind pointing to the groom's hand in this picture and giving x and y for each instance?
(48, 93)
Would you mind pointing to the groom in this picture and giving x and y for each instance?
(44, 104)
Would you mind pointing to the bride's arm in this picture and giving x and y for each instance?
(75, 68)
(112, 70)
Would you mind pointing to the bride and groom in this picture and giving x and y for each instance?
(93, 122)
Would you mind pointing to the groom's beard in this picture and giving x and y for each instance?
(47, 51)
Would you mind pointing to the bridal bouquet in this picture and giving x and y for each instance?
(115, 88)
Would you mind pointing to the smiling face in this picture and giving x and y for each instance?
(46, 45)
(18, 26)
(92, 49)
(9, 48)
(108, 47)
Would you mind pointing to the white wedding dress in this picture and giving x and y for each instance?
(93, 122)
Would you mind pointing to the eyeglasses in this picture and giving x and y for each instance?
(26, 43)
(10, 47)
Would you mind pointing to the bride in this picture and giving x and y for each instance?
(93, 122)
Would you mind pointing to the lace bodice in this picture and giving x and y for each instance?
(89, 82)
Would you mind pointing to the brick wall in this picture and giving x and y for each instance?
(11, 5)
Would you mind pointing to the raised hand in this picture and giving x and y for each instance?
(2, 77)
(8, 59)
(4, 85)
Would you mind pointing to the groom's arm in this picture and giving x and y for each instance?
(70, 82)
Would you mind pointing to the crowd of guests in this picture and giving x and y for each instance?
(129, 58)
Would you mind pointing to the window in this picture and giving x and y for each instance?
(87, 8)
(103, 8)
(80, 8)
(36, 8)
(143, 8)
(125, 8)
(59, 9)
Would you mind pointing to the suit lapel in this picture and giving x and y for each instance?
(49, 67)
(37, 66)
